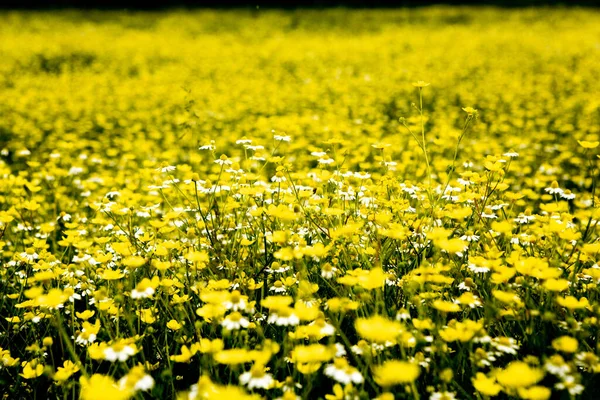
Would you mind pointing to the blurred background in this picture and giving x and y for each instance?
(141, 4)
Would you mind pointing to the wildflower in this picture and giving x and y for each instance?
(145, 288)
(446, 306)
(421, 84)
(588, 144)
(100, 387)
(395, 372)
(378, 329)
(519, 375)
(572, 303)
(570, 383)
(535, 393)
(485, 385)
(88, 333)
(443, 396)
(235, 321)
(257, 378)
(120, 351)
(505, 345)
(66, 371)
(554, 189)
(565, 344)
(136, 380)
(174, 325)
(32, 370)
(342, 372)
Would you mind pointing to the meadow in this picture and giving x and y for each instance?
(336, 204)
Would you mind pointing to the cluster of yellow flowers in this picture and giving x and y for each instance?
(263, 204)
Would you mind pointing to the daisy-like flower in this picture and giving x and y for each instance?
(278, 287)
(209, 146)
(328, 271)
(505, 345)
(119, 351)
(235, 321)
(257, 378)
(556, 365)
(477, 269)
(137, 380)
(470, 237)
(283, 316)
(554, 189)
(568, 195)
(282, 138)
(167, 168)
(223, 160)
(278, 177)
(342, 372)
(443, 396)
(236, 301)
(326, 160)
(571, 385)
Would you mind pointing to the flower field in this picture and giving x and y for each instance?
(336, 204)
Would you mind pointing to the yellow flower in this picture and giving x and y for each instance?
(556, 285)
(312, 353)
(111, 275)
(565, 344)
(174, 325)
(395, 372)
(85, 315)
(185, 356)
(53, 299)
(486, 386)
(535, 393)
(32, 370)
(421, 84)
(102, 387)
(588, 145)
(378, 329)
(134, 261)
(519, 374)
(572, 303)
(63, 373)
(234, 356)
(446, 306)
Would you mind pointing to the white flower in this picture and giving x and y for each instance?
(343, 373)
(470, 238)
(167, 168)
(211, 146)
(276, 178)
(442, 396)
(223, 162)
(257, 378)
(477, 269)
(326, 160)
(123, 354)
(282, 138)
(235, 321)
(283, 320)
(505, 345)
(135, 294)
